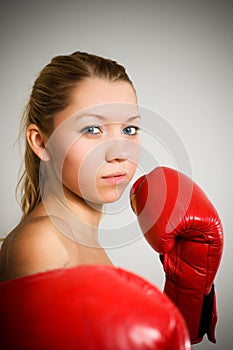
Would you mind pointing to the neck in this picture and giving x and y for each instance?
(89, 213)
(75, 217)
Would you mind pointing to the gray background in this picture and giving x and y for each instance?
(179, 55)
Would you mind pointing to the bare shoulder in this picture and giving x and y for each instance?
(33, 246)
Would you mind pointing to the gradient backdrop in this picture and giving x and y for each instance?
(179, 55)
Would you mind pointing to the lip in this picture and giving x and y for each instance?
(115, 178)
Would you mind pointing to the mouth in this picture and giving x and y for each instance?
(115, 178)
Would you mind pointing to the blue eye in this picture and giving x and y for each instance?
(91, 130)
(130, 130)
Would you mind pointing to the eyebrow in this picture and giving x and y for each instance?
(102, 117)
(134, 117)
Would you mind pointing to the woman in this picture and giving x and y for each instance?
(82, 148)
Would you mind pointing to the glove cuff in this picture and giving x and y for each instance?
(208, 316)
(199, 312)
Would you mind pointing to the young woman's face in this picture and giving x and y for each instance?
(97, 146)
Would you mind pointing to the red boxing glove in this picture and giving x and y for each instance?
(90, 308)
(181, 224)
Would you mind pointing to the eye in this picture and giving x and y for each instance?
(91, 130)
(130, 130)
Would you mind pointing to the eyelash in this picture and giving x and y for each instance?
(136, 128)
(89, 130)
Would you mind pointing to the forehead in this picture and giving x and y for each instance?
(93, 91)
(109, 112)
(101, 97)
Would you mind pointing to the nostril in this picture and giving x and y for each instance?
(117, 156)
(118, 159)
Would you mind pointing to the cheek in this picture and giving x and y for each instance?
(80, 169)
(134, 157)
(71, 165)
(132, 169)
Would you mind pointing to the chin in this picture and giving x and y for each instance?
(106, 196)
(102, 200)
(113, 198)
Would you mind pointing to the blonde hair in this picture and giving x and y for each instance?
(50, 94)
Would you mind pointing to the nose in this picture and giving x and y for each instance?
(117, 151)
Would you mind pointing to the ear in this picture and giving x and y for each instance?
(37, 142)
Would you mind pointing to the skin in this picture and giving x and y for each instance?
(94, 154)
